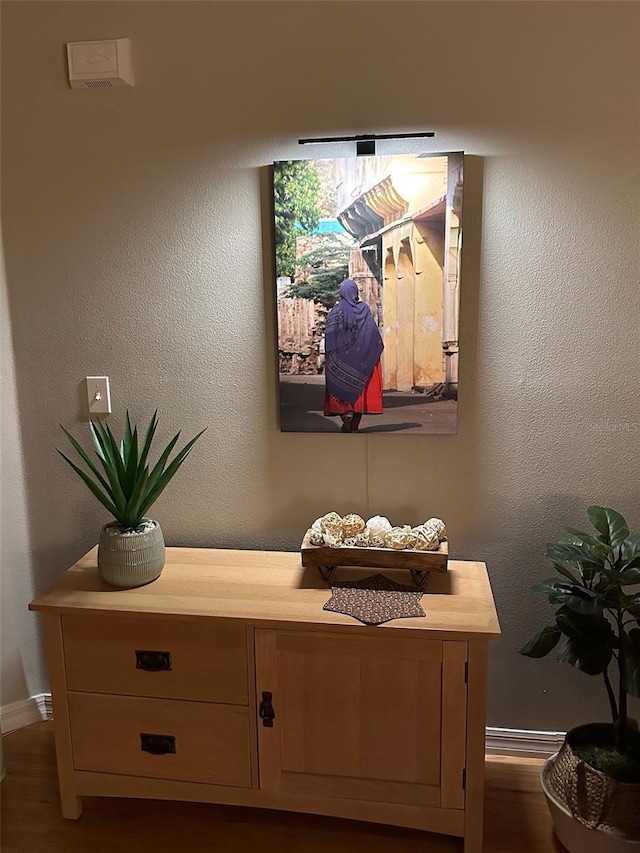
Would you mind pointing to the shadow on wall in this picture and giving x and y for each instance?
(523, 613)
(407, 477)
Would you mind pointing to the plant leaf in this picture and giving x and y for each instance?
(631, 651)
(631, 604)
(573, 554)
(159, 467)
(581, 601)
(543, 642)
(131, 468)
(115, 452)
(127, 441)
(134, 514)
(614, 597)
(156, 490)
(629, 577)
(576, 597)
(582, 538)
(99, 437)
(104, 500)
(630, 551)
(588, 643)
(88, 462)
(151, 429)
(564, 570)
(551, 587)
(610, 524)
(108, 463)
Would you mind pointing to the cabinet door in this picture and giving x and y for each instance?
(375, 717)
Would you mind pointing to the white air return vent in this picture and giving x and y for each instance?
(100, 64)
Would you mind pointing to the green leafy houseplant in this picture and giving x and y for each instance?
(128, 486)
(596, 627)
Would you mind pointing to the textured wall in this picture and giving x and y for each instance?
(136, 226)
(20, 669)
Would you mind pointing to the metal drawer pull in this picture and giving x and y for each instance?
(153, 661)
(266, 712)
(157, 744)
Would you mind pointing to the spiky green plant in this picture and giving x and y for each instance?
(129, 486)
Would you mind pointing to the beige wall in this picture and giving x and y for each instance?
(21, 672)
(137, 238)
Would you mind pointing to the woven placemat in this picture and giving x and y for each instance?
(375, 599)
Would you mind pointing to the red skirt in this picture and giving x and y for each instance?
(368, 403)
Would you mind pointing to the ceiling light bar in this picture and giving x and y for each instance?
(366, 142)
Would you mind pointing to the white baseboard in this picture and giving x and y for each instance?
(518, 742)
(523, 743)
(25, 713)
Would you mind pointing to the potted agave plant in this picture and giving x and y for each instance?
(593, 784)
(131, 549)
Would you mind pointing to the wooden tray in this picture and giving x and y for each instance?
(419, 563)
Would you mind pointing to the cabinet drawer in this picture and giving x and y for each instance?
(194, 659)
(161, 738)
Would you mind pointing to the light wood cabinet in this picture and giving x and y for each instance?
(225, 681)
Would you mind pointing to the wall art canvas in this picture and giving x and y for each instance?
(368, 288)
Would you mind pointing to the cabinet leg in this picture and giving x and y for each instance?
(473, 840)
(71, 806)
(70, 803)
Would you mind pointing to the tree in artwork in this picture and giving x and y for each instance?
(297, 212)
(322, 270)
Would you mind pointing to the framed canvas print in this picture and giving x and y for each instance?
(367, 259)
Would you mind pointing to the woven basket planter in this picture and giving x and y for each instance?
(594, 799)
(574, 835)
(129, 558)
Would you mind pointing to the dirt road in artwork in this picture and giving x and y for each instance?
(302, 397)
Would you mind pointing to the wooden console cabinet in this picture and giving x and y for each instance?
(225, 681)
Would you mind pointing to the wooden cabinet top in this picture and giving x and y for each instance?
(272, 589)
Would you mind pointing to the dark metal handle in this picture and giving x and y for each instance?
(266, 712)
(153, 661)
(157, 744)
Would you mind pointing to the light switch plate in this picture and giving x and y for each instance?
(98, 395)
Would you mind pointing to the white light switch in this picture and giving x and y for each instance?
(98, 395)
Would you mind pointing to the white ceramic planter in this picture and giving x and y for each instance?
(130, 559)
(575, 836)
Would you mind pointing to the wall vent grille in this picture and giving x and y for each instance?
(98, 84)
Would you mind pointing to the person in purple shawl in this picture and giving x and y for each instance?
(353, 346)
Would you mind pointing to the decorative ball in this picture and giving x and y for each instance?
(396, 538)
(412, 538)
(378, 526)
(333, 540)
(376, 541)
(362, 539)
(316, 537)
(426, 538)
(331, 523)
(352, 524)
(437, 525)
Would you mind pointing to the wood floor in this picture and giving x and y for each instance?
(516, 817)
